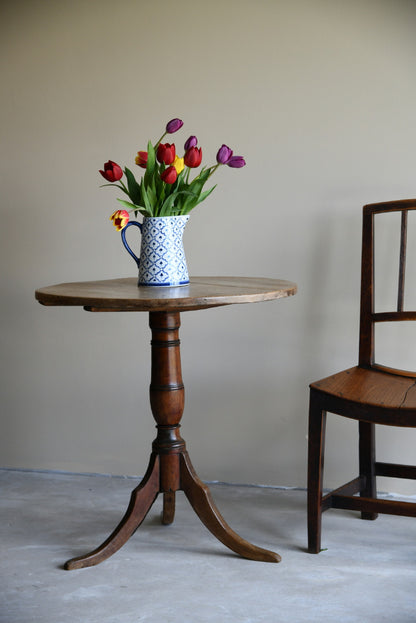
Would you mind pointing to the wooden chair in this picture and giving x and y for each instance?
(370, 393)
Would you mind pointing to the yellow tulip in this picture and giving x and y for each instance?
(179, 164)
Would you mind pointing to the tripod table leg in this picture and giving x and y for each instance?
(201, 501)
(168, 513)
(141, 501)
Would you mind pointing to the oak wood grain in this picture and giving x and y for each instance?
(371, 388)
(201, 293)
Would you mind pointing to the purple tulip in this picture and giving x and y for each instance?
(191, 142)
(236, 162)
(174, 125)
(224, 154)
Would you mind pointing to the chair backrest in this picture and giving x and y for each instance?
(368, 316)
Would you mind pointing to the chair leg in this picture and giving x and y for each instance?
(316, 449)
(367, 461)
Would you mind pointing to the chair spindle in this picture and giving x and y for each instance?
(402, 262)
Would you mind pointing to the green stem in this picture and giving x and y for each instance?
(213, 169)
(124, 187)
(160, 140)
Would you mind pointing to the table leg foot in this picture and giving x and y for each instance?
(201, 501)
(141, 501)
(168, 513)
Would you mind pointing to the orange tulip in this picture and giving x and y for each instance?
(120, 219)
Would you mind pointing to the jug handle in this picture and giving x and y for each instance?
(123, 238)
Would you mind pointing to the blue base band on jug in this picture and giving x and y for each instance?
(164, 285)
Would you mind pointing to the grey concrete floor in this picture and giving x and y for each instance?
(181, 573)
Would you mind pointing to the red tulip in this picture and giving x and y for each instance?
(166, 153)
(141, 159)
(193, 157)
(112, 172)
(169, 175)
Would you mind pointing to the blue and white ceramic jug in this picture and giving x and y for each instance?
(162, 259)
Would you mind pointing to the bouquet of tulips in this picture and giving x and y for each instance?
(165, 188)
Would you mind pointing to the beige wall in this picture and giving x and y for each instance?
(318, 95)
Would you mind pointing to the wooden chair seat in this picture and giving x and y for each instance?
(369, 393)
(378, 396)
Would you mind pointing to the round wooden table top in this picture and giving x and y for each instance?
(200, 293)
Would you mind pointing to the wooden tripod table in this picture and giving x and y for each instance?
(170, 469)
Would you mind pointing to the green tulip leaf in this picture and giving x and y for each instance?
(146, 201)
(151, 164)
(123, 188)
(129, 205)
(169, 201)
(152, 195)
(134, 193)
(205, 194)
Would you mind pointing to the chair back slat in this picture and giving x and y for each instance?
(368, 316)
(402, 261)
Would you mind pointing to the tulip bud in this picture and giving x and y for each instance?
(193, 157)
(166, 153)
(174, 125)
(112, 172)
(141, 159)
(191, 142)
(236, 162)
(120, 219)
(224, 154)
(169, 175)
